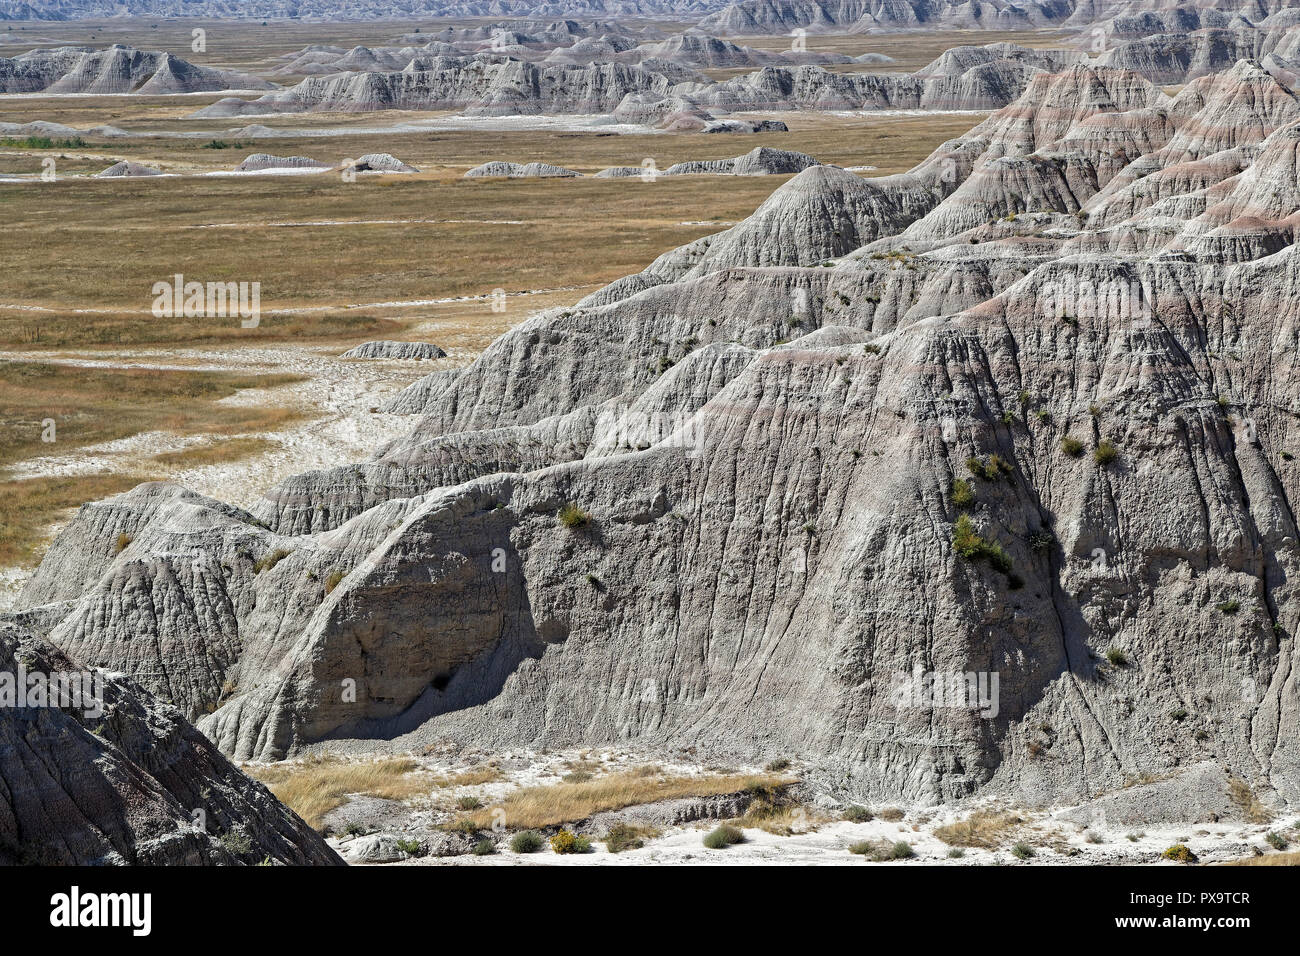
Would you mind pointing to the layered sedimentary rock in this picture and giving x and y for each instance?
(1025, 413)
(656, 92)
(258, 162)
(118, 69)
(750, 17)
(510, 170)
(486, 85)
(420, 351)
(106, 774)
(127, 168)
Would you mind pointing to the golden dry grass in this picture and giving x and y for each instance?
(1243, 797)
(27, 508)
(983, 828)
(472, 777)
(213, 453)
(90, 405)
(318, 785)
(1289, 858)
(101, 244)
(545, 806)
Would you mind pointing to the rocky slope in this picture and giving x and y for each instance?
(124, 779)
(1027, 410)
(750, 17)
(117, 69)
(654, 90)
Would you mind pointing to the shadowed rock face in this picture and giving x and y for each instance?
(759, 441)
(120, 781)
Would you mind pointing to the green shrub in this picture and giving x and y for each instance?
(1104, 453)
(411, 847)
(1072, 447)
(901, 851)
(468, 803)
(963, 495)
(777, 765)
(965, 540)
(571, 516)
(1276, 841)
(1116, 657)
(858, 814)
(236, 841)
(723, 837)
(862, 847)
(956, 853)
(565, 842)
(485, 847)
(967, 543)
(528, 841)
(1022, 851)
(1230, 606)
(1179, 853)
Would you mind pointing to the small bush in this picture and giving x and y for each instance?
(623, 836)
(333, 580)
(891, 814)
(468, 803)
(858, 814)
(862, 847)
(1117, 657)
(901, 851)
(485, 847)
(526, 842)
(963, 495)
(1276, 841)
(411, 847)
(1072, 447)
(1229, 607)
(965, 540)
(571, 516)
(723, 837)
(1179, 853)
(1105, 453)
(565, 842)
(237, 841)
(268, 561)
(967, 543)
(777, 765)
(123, 542)
(956, 853)
(1022, 851)
(1178, 714)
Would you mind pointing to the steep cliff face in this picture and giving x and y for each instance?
(119, 777)
(1027, 410)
